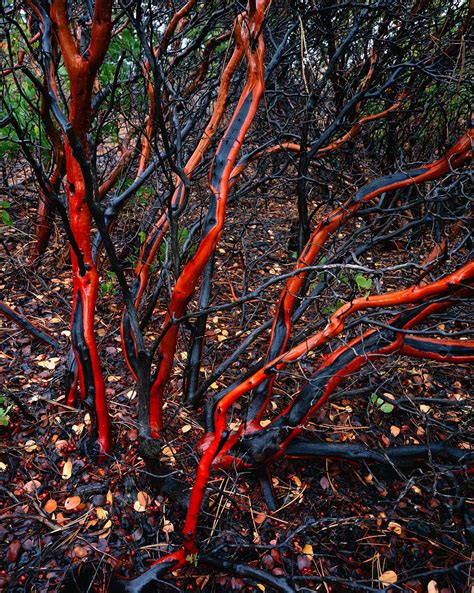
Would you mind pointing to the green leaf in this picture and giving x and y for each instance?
(363, 283)
(386, 408)
(142, 237)
(6, 219)
(192, 559)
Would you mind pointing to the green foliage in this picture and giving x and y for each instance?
(183, 234)
(4, 214)
(381, 404)
(364, 283)
(328, 310)
(4, 412)
(192, 559)
(108, 287)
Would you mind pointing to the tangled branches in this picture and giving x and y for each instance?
(187, 151)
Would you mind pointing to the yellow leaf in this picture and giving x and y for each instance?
(389, 576)
(308, 550)
(261, 587)
(186, 428)
(109, 498)
(101, 513)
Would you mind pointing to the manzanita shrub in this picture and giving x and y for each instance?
(154, 132)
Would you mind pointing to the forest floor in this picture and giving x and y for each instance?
(338, 526)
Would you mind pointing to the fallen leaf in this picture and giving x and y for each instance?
(139, 508)
(260, 518)
(202, 581)
(101, 513)
(395, 527)
(395, 431)
(79, 551)
(389, 576)
(50, 506)
(143, 498)
(186, 428)
(308, 550)
(168, 527)
(324, 483)
(297, 481)
(67, 470)
(106, 533)
(30, 446)
(31, 486)
(72, 503)
(432, 587)
(13, 550)
(50, 363)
